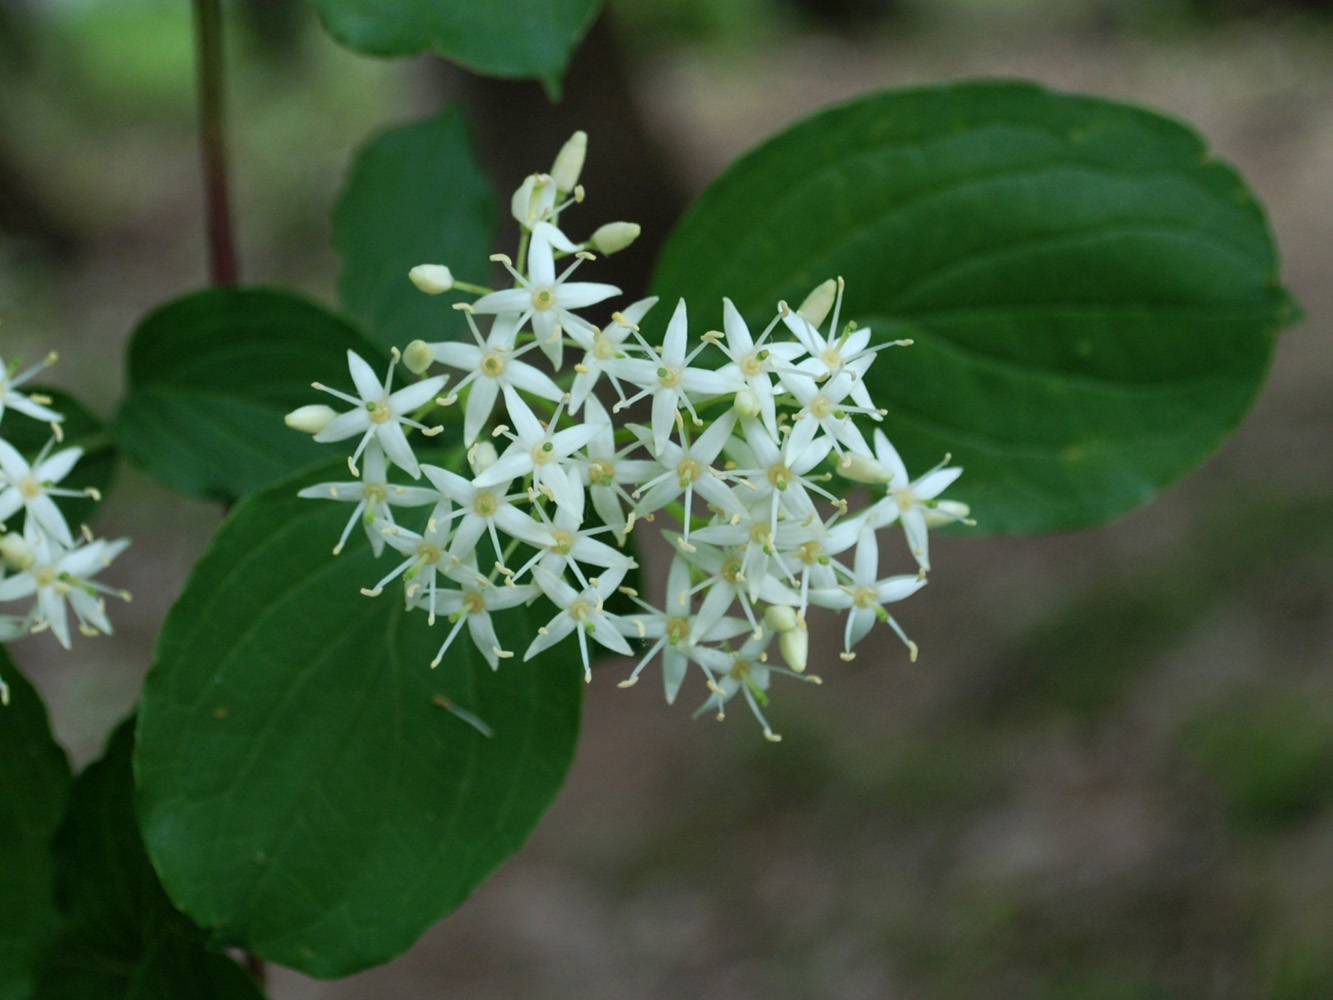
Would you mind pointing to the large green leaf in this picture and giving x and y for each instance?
(80, 429)
(122, 938)
(415, 196)
(304, 790)
(517, 38)
(211, 376)
(1093, 297)
(34, 780)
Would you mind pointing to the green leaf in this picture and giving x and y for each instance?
(211, 376)
(305, 791)
(122, 936)
(1092, 296)
(518, 38)
(33, 783)
(80, 429)
(414, 196)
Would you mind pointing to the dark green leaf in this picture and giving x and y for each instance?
(518, 38)
(33, 784)
(415, 196)
(79, 429)
(306, 792)
(122, 937)
(211, 376)
(1093, 297)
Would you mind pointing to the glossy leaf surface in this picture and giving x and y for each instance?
(211, 376)
(307, 793)
(1092, 296)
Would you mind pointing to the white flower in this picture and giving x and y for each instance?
(909, 500)
(32, 486)
(373, 496)
(541, 451)
(492, 365)
(424, 553)
(753, 362)
(380, 414)
(58, 573)
(481, 509)
(688, 470)
(864, 596)
(542, 297)
(582, 612)
(33, 406)
(672, 630)
(747, 671)
(602, 347)
(669, 379)
(473, 604)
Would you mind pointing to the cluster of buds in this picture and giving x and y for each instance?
(750, 444)
(43, 563)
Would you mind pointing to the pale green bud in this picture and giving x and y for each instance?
(746, 403)
(432, 278)
(795, 647)
(418, 356)
(310, 419)
(781, 618)
(481, 456)
(817, 304)
(569, 162)
(15, 551)
(526, 203)
(614, 237)
(862, 469)
(946, 512)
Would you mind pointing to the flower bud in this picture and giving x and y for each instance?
(746, 403)
(862, 469)
(432, 278)
(525, 206)
(16, 551)
(795, 647)
(418, 356)
(569, 162)
(310, 419)
(817, 304)
(946, 512)
(614, 237)
(781, 618)
(481, 456)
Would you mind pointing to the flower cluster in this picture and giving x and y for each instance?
(44, 563)
(749, 444)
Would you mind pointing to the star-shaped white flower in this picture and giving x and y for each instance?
(31, 487)
(58, 573)
(381, 414)
(33, 406)
(543, 297)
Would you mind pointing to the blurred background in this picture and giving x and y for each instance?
(1110, 774)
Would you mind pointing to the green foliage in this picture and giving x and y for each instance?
(122, 937)
(1092, 297)
(80, 429)
(520, 38)
(33, 785)
(306, 792)
(211, 375)
(414, 196)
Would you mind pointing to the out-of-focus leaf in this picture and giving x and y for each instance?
(415, 196)
(1092, 296)
(34, 781)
